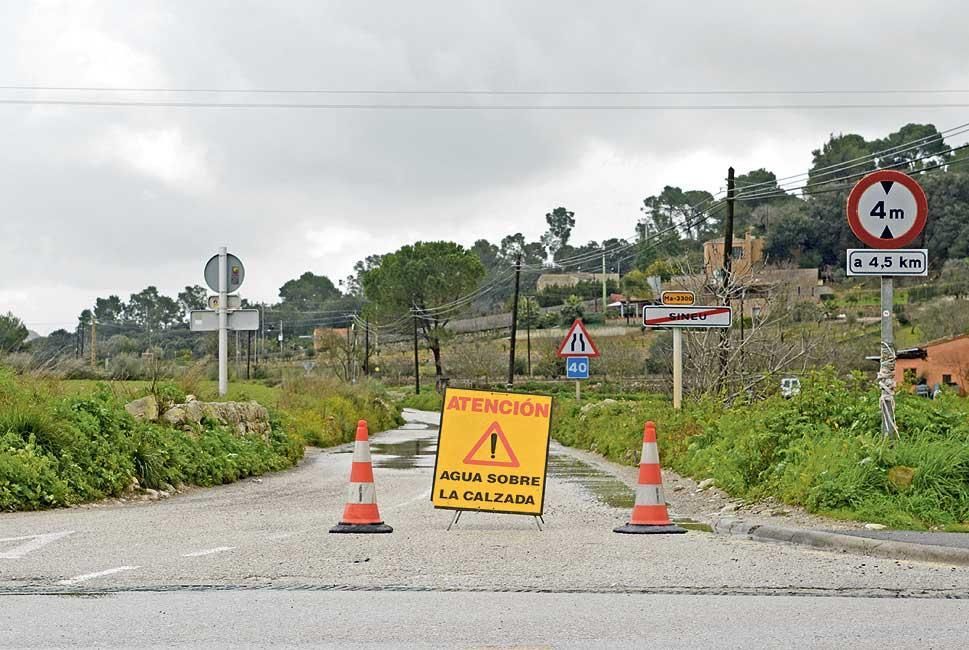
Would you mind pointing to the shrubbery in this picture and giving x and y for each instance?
(822, 449)
(325, 411)
(57, 451)
(63, 443)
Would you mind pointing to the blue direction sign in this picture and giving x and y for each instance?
(577, 368)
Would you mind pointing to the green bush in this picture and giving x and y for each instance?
(58, 451)
(822, 450)
(428, 400)
(325, 411)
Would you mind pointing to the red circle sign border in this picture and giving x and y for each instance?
(854, 219)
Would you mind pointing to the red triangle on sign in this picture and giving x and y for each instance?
(577, 342)
(499, 437)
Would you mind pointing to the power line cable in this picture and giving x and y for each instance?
(474, 107)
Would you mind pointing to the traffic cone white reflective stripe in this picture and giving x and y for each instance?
(649, 512)
(361, 514)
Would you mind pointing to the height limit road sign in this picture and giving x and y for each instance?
(887, 209)
(577, 342)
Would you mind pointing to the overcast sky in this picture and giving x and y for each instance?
(99, 200)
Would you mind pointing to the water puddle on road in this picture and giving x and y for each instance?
(602, 485)
(605, 487)
(417, 453)
(408, 454)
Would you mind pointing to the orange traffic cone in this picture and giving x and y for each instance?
(361, 515)
(649, 512)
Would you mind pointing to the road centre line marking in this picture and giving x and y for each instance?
(209, 551)
(98, 574)
(36, 542)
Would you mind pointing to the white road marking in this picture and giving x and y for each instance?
(89, 576)
(36, 542)
(209, 551)
(426, 494)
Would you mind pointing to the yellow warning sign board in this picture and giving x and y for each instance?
(492, 452)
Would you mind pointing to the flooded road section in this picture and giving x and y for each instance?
(414, 446)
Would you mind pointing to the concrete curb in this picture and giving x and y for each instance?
(845, 543)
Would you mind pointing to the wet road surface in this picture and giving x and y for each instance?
(264, 543)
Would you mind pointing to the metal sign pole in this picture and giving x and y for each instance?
(677, 369)
(223, 322)
(886, 370)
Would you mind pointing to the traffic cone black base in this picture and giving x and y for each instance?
(644, 529)
(363, 528)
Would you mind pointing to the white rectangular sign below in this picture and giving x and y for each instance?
(687, 316)
(896, 261)
(203, 320)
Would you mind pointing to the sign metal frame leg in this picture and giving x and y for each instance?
(457, 516)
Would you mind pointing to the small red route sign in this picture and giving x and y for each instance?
(887, 209)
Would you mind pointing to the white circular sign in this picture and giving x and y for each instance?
(887, 209)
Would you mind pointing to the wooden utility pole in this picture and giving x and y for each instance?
(604, 283)
(417, 368)
(727, 258)
(528, 336)
(366, 347)
(514, 322)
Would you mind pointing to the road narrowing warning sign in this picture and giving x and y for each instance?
(492, 452)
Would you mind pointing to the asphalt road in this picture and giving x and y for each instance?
(253, 563)
(475, 620)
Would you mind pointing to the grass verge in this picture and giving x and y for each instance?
(65, 442)
(822, 450)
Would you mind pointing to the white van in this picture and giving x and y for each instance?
(790, 386)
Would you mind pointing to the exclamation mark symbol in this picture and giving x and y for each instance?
(494, 443)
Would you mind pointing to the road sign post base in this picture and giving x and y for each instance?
(362, 528)
(645, 529)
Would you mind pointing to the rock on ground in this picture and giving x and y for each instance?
(145, 408)
(242, 417)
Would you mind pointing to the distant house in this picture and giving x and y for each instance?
(945, 361)
(745, 253)
(571, 279)
(762, 284)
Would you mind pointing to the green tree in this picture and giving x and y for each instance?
(838, 150)
(930, 148)
(426, 280)
(560, 223)
(59, 343)
(13, 333)
(308, 292)
(152, 310)
(530, 313)
(571, 309)
(660, 268)
(636, 286)
(193, 297)
(109, 310)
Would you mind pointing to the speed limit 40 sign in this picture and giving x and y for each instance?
(887, 209)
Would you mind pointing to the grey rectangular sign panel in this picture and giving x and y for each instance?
(203, 320)
(244, 320)
(890, 261)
